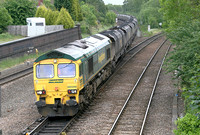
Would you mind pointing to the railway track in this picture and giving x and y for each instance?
(16, 73)
(38, 126)
(127, 114)
(47, 126)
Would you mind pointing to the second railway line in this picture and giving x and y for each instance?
(102, 112)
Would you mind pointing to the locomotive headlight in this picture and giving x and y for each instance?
(55, 61)
(72, 91)
(41, 92)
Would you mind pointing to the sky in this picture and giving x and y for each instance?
(114, 2)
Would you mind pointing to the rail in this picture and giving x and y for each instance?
(154, 88)
(127, 100)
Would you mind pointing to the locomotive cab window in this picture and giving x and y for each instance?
(45, 71)
(66, 70)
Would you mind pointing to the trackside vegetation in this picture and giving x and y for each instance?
(182, 26)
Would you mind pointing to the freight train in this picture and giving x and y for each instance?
(67, 77)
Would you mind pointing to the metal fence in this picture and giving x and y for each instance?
(42, 43)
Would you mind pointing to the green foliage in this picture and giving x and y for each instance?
(146, 11)
(55, 17)
(63, 3)
(4, 64)
(182, 27)
(100, 9)
(41, 11)
(48, 4)
(133, 6)
(48, 17)
(19, 10)
(183, 58)
(6, 37)
(149, 13)
(65, 19)
(110, 17)
(72, 6)
(89, 14)
(84, 27)
(99, 6)
(115, 8)
(188, 125)
(5, 19)
(178, 13)
(76, 11)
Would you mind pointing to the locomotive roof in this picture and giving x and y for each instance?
(78, 49)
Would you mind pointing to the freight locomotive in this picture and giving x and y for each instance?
(67, 77)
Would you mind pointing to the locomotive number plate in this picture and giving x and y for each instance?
(56, 81)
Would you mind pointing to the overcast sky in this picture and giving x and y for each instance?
(114, 2)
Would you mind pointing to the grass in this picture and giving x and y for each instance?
(6, 37)
(4, 64)
(146, 33)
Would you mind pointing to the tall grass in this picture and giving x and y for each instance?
(10, 62)
(6, 37)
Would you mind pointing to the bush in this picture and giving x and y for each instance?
(41, 11)
(55, 16)
(19, 10)
(110, 17)
(188, 125)
(72, 7)
(65, 19)
(84, 28)
(5, 19)
(49, 17)
(48, 4)
(89, 14)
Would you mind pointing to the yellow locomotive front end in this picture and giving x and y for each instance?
(57, 85)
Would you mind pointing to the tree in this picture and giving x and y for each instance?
(41, 11)
(133, 6)
(150, 14)
(115, 8)
(65, 19)
(49, 17)
(48, 4)
(63, 3)
(110, 17)
(5, 19)
(72, 6)
(178, 12)
(19, 10)
(99, 5)
(100, 9)
(89, 14)
(55, 16)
